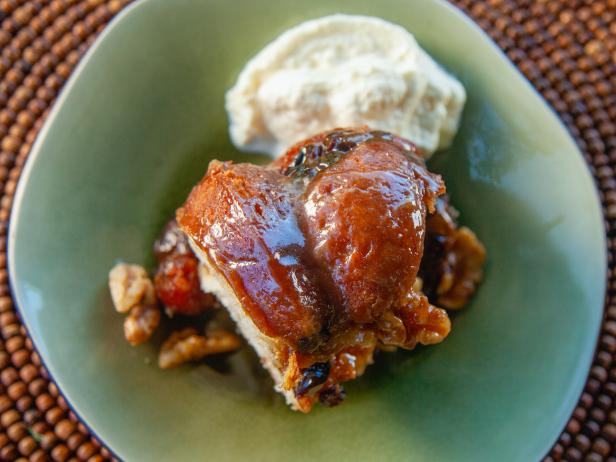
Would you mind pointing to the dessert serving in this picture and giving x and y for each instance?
(344, 245)
(317, 256)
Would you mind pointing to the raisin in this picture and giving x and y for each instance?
(332, 395)
(311, 377)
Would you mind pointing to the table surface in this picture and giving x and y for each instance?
(565, 48)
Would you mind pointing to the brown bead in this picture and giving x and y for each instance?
(14, 76)
(96, 458)
(54, 415)
(31, 82)
(594, 457)
(64, 70)
(49, 440)
(31, 416)
(43, 402)
(85, 451)
(20, 358)
(6, 117)
(14, 344)
(602, 447)
(37, 386)
(79, 30)
(24, 403)
(6, 304)
(62, 403)
(10, 144)
(16, 390)
(53, 82)
(607, 129)
(19, 162)
(64, 429)
(5, 37)
(8, 376)
(40, 427)
(8, 452)
(73, 13)
(599, 372)
(91, 22)
(50, 34)
(610, 389)
(4, 359)
(46, 15)
(75, 440)
(53, 389)
(604, 402)
(36, 360)
(36, 106)
(590, 428)
(573, 426)
(9, 417)
(68, 43)
(57, 7)
(579, 413)
(37, 24)
(582, 442)
(565, 439)
(8, 318)
(16, 431)
(17, 131)
(608, 343)
(115, 6)
(38, 456)
(603, 87)
(27, 445)
(573, 454)
(14, 176)
(4, 439)
(5, 403)
(9, 188)
(31, 55)
(60, 453)
(609, 431)
(82, 428)
(49, 61)
(22, 15)
(45, 94)
(16, 104)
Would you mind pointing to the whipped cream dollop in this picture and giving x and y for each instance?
(343, 71)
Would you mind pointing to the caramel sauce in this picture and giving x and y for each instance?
(322, 248)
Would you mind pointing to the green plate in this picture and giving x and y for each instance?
(137, 125)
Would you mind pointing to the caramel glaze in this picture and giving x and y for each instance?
(322, 247)
(243, 217)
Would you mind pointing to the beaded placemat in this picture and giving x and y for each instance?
(566, 48)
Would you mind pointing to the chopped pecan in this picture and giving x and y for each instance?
(462, 269)
(130, 286)
(424, 323)
(141, 323)
(186, 346)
